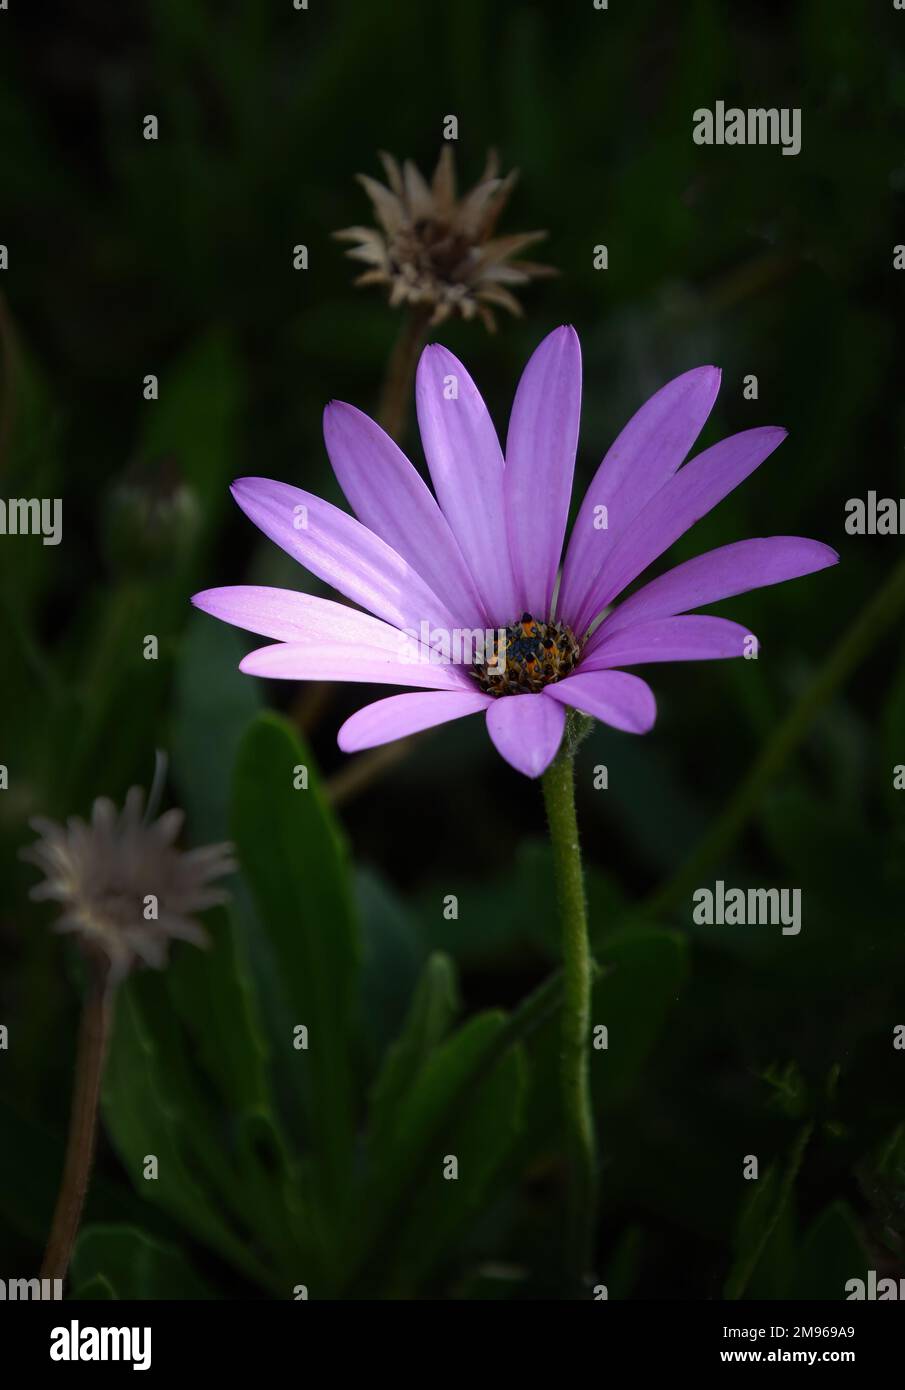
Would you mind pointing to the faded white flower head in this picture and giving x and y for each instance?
(437, 251)
(125, 888)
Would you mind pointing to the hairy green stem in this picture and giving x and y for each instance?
(578, 974)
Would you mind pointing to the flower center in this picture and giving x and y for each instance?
(529, 656)
(432, 248)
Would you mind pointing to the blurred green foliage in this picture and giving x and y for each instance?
(323, 1166)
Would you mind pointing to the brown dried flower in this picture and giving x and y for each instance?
(125, 888)
(437, 251)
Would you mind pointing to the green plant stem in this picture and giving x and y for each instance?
(856, 642)
(94, 1038)
(578, 973)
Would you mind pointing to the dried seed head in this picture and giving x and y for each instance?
(125, 888)
(438, 252)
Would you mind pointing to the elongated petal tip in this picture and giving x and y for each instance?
(244, 487)
(340, 413)
(711, 378)
(565, 339)
(705, 379)
(203, 599)
(433, 352)
(247, 665)
(699, 388)
(334, 408)
(566, 330)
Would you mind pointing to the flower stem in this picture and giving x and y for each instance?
(578, 971)
(94, 1036)
(397, 384)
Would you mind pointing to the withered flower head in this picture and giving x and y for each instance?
(438, 251)
(125, 888)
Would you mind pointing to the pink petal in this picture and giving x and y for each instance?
(398, 715)
(350, 661)
(684, 499)
(670, 639)
(339, 550)
(615, 697)
(295, 617)
(646, 454)
(466, 467)
(718, 574)
(527, 730)
(389, 496)
(540, 461)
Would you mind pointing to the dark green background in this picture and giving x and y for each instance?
(175, 258)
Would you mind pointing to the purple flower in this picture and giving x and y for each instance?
(484, 557)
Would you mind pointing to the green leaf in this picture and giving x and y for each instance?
(214, 997)
(893, 732)
(831, 1253)
(278, 1190)
(392, 956)
(764, 1254)
(31, 469)
(153, 1107)
(881, 1177)
(790, 1094)
(422, 1111)
(213, 994)
(127, 1260)
(30, 1171)
(464, 1101)
(492, 920)
(434, 1006)
(96, 1288)
(818, 843)
(624, 1265)
(642, 973)
(480, 1139)
(295, 862)
(227, 997)
(214, 704)
(202, 440)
